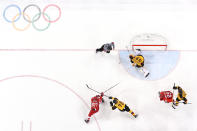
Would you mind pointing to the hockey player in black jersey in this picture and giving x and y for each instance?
(106, 47)
(181, 95)
(115, 103)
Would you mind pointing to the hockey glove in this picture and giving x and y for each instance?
(138, 50)
(102, 94)
(111, 103)
(110, 97)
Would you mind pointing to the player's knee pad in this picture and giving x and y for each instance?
(177, 99)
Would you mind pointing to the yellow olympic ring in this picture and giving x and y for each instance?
(19, 29)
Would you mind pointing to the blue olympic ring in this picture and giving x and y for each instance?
(4, 13)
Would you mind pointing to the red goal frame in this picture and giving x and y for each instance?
(164, 45)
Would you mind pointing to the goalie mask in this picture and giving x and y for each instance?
(131, 56)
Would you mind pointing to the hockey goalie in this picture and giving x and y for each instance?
(166, 96)
(138, 62)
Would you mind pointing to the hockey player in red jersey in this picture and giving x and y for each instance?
(95, 102)
(166, 96)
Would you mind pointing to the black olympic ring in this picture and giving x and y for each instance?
(31, 5)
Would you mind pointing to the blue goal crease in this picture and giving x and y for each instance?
(158, 63)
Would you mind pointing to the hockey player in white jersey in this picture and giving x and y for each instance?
(106, 47)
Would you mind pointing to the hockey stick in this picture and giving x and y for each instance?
(173, 98)
(111, 87)
(186, 104)
(179, 102)
(92, 89)
(95, 90)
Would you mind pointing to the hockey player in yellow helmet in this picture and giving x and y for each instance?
(115, 103)
(181, 95)
(138, 62)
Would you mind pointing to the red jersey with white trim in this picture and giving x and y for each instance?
(166, 96)
(95, 101)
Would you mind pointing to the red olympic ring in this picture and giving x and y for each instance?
(52, 21)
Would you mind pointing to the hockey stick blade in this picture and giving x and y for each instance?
(92, 89)
(95, 91)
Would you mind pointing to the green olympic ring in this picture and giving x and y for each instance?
(40, 29)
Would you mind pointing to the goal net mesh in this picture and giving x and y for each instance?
(149, 42)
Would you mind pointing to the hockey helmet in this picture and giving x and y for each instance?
(131, 56)
(115, 100)
(102, 94)
(112, 43)
(175, 87)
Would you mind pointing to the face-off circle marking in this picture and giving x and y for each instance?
(19, 29)
(52, 5)
(5, 10)
(39, 29)
(31, 20)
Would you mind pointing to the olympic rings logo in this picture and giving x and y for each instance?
(32, 20)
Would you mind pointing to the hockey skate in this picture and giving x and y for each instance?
(87, 120)
(136, 115)
(103, 101)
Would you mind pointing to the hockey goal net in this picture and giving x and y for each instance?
(149, 42)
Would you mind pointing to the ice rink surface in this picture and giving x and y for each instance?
(43, 74)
